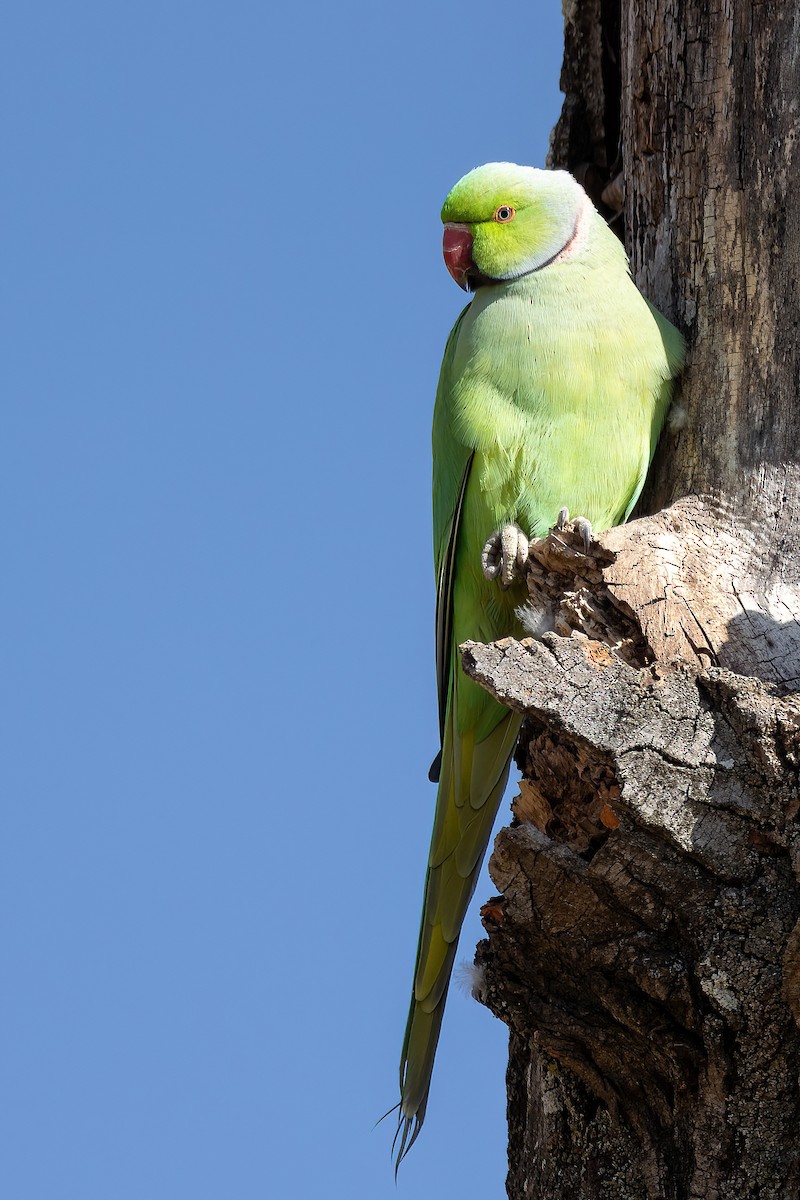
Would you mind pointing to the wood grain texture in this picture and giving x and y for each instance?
(711, 122)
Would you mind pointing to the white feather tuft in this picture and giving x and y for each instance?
(535, 621)
(470, 979)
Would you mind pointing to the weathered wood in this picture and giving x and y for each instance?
(711, 124)
(700, 580)
(645, 950)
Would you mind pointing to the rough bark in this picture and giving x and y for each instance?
(645, 948)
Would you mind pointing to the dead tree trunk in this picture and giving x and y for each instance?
(645, 950)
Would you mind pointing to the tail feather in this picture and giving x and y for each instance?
(471, 785)
(416, 1068)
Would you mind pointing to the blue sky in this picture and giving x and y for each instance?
(224, 308)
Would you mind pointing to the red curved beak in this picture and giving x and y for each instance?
(457, 251)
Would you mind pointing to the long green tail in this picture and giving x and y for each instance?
(471, 785)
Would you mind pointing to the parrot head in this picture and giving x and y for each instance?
(502, 221)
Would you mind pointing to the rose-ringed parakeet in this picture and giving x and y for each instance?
(555, 383)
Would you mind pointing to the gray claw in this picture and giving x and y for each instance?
(580, 524)
(504, 554)
(584, 528)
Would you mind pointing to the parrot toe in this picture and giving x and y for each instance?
(581, 525)
(504, 554)
(584, 528)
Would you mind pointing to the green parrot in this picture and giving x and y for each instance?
(554, 387)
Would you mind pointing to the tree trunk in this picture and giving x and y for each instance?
(645, 949)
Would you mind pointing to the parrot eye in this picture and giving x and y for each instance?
(504, 213)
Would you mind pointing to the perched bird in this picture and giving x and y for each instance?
(555, 383)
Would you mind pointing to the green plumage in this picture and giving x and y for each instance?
(554, 386)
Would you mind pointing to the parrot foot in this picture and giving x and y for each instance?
(504, 554)
(580, 524)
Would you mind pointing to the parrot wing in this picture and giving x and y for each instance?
(449, 490)
(444, 614)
